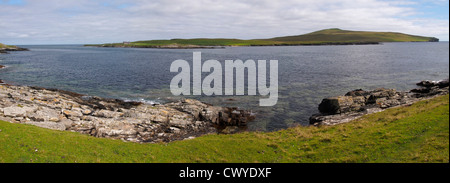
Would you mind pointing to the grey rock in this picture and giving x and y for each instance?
(16, 111)
(358, 92)
(373, 110)
(354, 104)
(49, 125)
(333, 119)
(106, 114)
(180, 123)
(174, 130)
(336, 105)
(86, 111)
(72, 113)
(44, 114)
(67, 123)
(54, 119)
(380, 93)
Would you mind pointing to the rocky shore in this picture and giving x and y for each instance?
(12, 48)
(117, 119)
(185, 119)
(354, 104)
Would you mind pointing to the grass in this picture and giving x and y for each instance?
(6, 46)
(323, 37)
(417, 133)
(338, 35)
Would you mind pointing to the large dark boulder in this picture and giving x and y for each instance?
(430, 88)
(443, 84)
(428, 84)
(336, 105)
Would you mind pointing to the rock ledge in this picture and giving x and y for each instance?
(117, 119)
(356, 103)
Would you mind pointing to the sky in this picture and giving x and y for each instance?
(106, 21)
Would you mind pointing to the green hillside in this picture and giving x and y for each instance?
(338, 35)
(323, 37)
(4, 46)
(416, 133)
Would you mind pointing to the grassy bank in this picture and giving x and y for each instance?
(322, 37)
(417, 133)
(5, 46)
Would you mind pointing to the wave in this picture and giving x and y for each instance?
(145, 101)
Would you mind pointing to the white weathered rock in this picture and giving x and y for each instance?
(44, 114)
(17, 111)
(54, 119)
(49, 125)
(72, 113)
(107, 113)
(86, 111)
(67, 123)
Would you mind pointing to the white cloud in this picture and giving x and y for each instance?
(87, 21)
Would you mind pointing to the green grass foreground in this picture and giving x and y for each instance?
(322, 37)
(417, 133)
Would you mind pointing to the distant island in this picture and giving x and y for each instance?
(323, 37)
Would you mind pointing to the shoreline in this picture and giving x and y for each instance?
(184, 119)
(230, 46)
(357, 103)
(226, 46)
(12, 48)
(117, 119)
(158, 47)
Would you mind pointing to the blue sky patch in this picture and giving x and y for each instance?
(12, 2)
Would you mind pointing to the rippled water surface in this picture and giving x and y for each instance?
(306, 73)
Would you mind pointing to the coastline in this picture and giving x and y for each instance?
(357, 103)
(198, 118)
(410, 134)
(252, 45)
(160, 47)
(5, 50)
(171, 46)
(185, 119)
(113, 118)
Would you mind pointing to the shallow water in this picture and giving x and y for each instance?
(307, 74)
